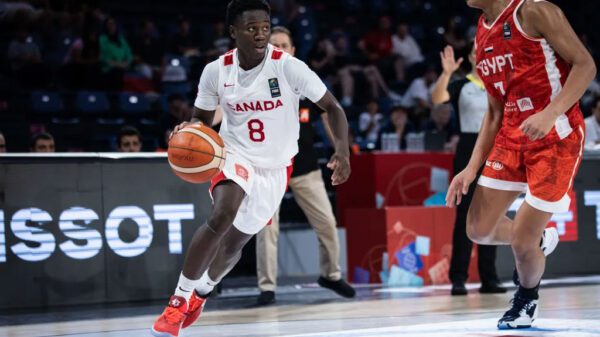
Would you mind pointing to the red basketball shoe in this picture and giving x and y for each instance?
(169, 323)
(194, 310)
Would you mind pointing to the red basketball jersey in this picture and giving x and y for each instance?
(523, 73)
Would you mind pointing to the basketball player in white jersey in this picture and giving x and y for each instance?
(258, 87)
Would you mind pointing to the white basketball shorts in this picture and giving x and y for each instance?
(264, 190)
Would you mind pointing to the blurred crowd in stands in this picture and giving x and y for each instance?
(118, 75)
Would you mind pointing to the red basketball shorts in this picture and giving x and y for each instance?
(545, 175)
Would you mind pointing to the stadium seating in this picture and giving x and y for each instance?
(46, 102)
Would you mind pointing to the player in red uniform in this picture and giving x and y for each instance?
(535, 70)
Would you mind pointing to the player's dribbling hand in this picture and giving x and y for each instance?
(459, 187)
(340, 164)
(179, 127)
(538, 125)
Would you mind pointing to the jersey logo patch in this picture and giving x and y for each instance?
(489, 49)
(274, 86)
(495, 165)
(241, 171)
(525, 104)
(507, 32)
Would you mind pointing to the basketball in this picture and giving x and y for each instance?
(196, 153)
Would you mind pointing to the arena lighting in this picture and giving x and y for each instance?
(38, 244)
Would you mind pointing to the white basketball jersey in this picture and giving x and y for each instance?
(260, 121)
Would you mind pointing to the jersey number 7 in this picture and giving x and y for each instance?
(500, 86)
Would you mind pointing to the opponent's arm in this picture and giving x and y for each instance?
(546, 20)
(340, 161)
(492, 121)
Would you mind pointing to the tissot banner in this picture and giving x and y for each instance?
(93, 231)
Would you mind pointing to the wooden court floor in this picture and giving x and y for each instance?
(566, 310)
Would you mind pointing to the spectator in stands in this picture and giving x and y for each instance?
(453, 35)
(82, 62)
(221, 42)
(440, 122)
(25, 60)
(418, 94)
(184, 43)
(23, 51)
(12, 11)
(129, 139)
(322, 58)
(399, 124)
(406, 49)
(370, 122)
(333, 61)
(179, 111)
(590, 95)
(57, 37)
(148, 50)
(2, 143)
(377, 44)
(592, 127)
(115, 54)
(42, 142)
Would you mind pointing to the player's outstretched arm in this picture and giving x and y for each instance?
(492, 121)
(340, 161)
(546, 20)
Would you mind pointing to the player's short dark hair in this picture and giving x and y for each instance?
(235, 8)
(283, 30)
(128, 130)
(39, 136)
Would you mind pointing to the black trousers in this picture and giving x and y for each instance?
(461, 244)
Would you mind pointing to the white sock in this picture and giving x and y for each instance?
(205, 285)
(185, 286)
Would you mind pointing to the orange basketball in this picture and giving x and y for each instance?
(196, 153)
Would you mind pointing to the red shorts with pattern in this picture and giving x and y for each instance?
(545, 174)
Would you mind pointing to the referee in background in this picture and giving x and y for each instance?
(469, 100)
